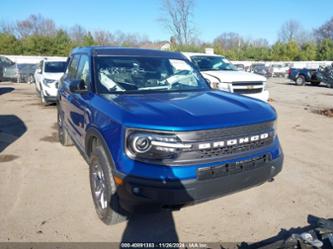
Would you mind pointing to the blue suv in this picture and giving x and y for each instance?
(156, 135)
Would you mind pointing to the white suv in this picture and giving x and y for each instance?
(223, 75)
(47, 76)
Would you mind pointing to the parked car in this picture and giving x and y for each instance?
(278, 70)
(304, 75)
(156, 135)
(20, 72)
(325, 75)
(4, 62)
(47, 76)
(261, 69)
(223, 75)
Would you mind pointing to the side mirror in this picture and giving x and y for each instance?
(39, 70)
(77, 86)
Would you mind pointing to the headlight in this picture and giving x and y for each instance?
(154, 146)
(221, 86)
(47, 82)
(140, 143)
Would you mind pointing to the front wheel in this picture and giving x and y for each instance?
(300, 80)
(103, 188)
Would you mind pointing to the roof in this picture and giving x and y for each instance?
(121, 51)
(190, 54)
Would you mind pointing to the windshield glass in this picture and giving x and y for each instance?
(212, 63)
(55, 66)
(145, 74)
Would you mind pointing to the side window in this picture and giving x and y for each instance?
(83, 72)
(72, 68)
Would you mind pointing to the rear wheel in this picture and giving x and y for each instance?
(103, 187)
(63, 135)
(300, 80)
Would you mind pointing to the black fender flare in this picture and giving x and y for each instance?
(93, 132)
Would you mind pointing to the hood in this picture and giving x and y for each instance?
(232, 76)
(53, 76)
(188, 110)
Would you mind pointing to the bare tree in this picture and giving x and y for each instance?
(259, 43)
(229, 40)
(77, 33)
(102, 37)
(325, 31)
(36, 25)
(177, 19)
(290, 31)
(7, 27)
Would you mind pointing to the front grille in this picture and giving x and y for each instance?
(229, 150)
(247, 83)
(248, 91)
(211, 154)
(217, 134)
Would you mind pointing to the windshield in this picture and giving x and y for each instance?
(213, 63)
(55, 66)
(145, 74)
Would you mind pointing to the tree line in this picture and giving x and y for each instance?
(38, 35)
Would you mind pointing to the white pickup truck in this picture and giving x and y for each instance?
(223, 75)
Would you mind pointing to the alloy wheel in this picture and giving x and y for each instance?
(99, 186)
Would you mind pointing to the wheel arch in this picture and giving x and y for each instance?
(91, 134)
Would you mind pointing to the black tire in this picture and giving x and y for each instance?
(63, 135)
(300, 80)
(100, 173)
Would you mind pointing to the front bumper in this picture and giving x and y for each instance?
(212, 182)
(264, 95)
(50, 93)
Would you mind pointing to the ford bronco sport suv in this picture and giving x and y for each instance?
(156, 135)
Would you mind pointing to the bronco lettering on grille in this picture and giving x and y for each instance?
(230, 142)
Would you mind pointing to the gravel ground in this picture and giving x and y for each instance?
(45, 195)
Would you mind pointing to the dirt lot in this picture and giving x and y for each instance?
(45, 195)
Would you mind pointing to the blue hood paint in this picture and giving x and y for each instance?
(183, 111)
